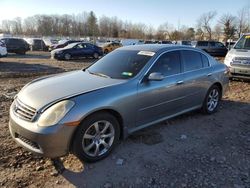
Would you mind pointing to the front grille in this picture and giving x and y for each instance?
(23, 111)
(241, 61)
(27, 141)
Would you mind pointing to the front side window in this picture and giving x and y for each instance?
(219, 44)
(192, 60)
(168, 64)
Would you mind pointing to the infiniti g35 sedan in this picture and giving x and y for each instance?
(86, 112)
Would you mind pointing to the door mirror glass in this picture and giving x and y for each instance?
(156, 76)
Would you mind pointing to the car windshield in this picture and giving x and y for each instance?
(121, 64)
(243, 43)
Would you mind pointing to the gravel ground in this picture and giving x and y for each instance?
(192, 150)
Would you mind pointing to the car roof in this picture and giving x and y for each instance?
(154, 47)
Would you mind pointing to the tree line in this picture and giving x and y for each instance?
(227, 26)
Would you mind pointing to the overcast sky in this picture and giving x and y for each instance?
(150, 12)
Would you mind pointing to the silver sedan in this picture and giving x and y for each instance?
(86, 112)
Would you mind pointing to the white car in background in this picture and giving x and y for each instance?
(3, 49)
(238, 58)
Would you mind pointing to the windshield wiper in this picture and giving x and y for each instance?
(99, 74)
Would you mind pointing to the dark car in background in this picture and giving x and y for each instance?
(184, 42)
(36, 44)
(62, 44)
(214, 48)
(16, 45)
(77, 50)
(165, 42)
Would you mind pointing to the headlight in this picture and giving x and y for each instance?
(228, 59)
(55, 113)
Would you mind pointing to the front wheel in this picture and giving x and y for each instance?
(96, 137)
(96, 55)
(212, 100)
(67, 56)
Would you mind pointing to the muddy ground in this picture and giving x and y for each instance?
(192, 150)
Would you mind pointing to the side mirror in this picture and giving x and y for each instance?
(156, 76)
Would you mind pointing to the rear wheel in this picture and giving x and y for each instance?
(212, 100)
(67, 56)
(96, 55)
(96, 137)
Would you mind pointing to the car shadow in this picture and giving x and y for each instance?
(30, 55)
(161, 145)
(15, 69)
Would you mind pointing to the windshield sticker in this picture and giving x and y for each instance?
(247, 37)
(127, 73)
(147, 53)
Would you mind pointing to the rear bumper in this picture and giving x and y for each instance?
(49, 142)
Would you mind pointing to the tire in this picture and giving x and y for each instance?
(96, 55)
(212, 100)
(100, 130)
(67, 56)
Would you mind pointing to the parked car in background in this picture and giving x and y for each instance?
(16, 45)
(127, 42)
(49, 42)
(109, 47)
(230, 44)
(238, 58)
(36, 44)
(86, 112)
(3, 49)
(77, 50)
(62, 44)
(214, 48)
(184, 42)
(165, 42)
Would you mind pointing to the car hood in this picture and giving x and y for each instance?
(239, 53)
(44, 91)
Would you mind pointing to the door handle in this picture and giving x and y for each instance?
(209, 74)
(179, 82)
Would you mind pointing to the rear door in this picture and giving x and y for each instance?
(197, 77)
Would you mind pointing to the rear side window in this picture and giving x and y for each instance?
(192, 60)
(202, 43)
(168, 64)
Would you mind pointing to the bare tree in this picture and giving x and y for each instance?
(229, 26)
(204, 23)
(242, 25)
(6, 26)
(217, 32)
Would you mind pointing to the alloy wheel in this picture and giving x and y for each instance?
(213, 100)
(98, 138)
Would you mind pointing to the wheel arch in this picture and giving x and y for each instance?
(116, 114)
(219, 85)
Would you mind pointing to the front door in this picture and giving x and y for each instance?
(158, 99)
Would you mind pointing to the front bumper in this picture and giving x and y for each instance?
(49, 142)
(240, 72)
